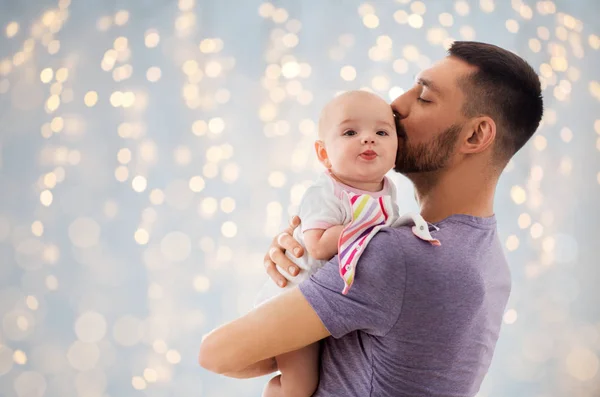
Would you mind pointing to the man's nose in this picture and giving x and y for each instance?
(401, 106)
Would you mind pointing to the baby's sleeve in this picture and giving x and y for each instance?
(320, 209)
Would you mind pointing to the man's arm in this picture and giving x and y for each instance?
(280, 325)
(260, 368)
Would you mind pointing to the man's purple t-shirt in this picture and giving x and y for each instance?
(419, 320)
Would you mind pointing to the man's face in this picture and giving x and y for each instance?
(430, 118)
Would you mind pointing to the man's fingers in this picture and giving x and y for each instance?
(278, 256)
(287, 243)
(274, 273)
(295, 222)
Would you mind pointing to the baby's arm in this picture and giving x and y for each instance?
(323, 244)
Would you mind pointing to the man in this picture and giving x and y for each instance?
(419, 320)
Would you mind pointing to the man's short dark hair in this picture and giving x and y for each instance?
(504, 87)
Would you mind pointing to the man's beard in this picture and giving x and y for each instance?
(425, 157)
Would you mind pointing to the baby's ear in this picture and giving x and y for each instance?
(322, 153)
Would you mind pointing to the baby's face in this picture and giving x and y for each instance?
(359, 136)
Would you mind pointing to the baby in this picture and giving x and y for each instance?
(341, 211)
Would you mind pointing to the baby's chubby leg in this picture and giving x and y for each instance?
(299, 374)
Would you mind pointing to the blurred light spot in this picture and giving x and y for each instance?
(91, 98)
(61, 75)
(121, 173)
(229, 229)
(20, 357)
(53, 47)
(536, 230)
(213, 69)
(201, 283)
(121, 17)
(462, 8)
(116, 98)
(173, 356)
(566, 134)
(537, 173)
(157, 197)
(199, 127)
(120, 43)
(486, 6)
(84, 232)
(524, 221)
(32, 303)
(207, 244)
(196, 184)
(52, 103)
(277, 179)
(467, 33)
(12, 29)
(176, 246)
(30, 384)
(151, 38)
(210, 170)
(415, 21)
(380, 83)
(141, 236)
(208, 206)
(227, 205)
(446, 19)
(267, 112)
(124, 156)
(160, 346)
(290, 70)
(155, 291)
(46, 75)
(540, 142)
(510, 317)
(37, 228)
(348, 73)
(365, 9)
(90, 327)
(139, 183)
(183, 155)
(46, 198)
(51, 283)
(222, 96)
(518, 195)
(370, 21)
(582, 364)
(401, 17)
(512, 26)
(138, 383)
(216, 125)
(150, 375)
(512, 243)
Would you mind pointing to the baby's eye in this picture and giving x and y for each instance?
(382, 133)
(349, 133)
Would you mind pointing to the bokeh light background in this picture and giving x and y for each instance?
(150, 149)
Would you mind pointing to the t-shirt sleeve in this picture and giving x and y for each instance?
(320, 209)
(375, 299)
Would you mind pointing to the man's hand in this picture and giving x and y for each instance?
(276, 254)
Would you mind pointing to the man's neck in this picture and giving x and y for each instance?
(454, 192)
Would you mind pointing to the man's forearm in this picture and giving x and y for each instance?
(255, 370)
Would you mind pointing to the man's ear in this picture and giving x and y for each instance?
(322, 154)
(481, 134)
